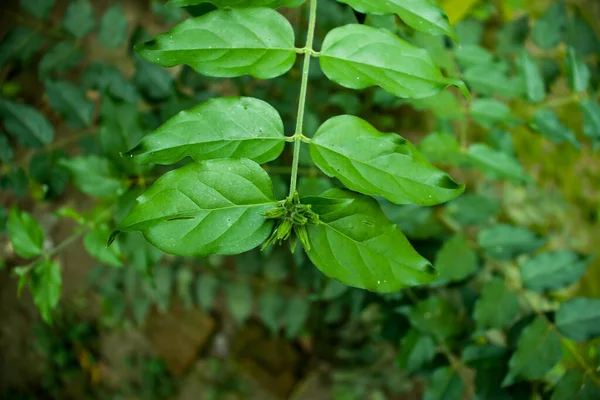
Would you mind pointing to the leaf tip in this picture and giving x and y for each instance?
(112, 237)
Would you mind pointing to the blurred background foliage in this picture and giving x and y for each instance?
(515, 252)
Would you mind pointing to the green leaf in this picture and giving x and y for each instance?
(504, 242)
(546, 123)
(455, 261)
(61, 57)
(491, 79)
(37, 8)
(95, 176)
(139, 253)
(445, 384)
(532, 76)
(497, 307)
(548, 31)
(239, 301)
(358, 57)
(511, 37)
(228, 127)
(376, 163)
(553, 270)
(6, 152)
(71, 102)
(495, 163)
(415, 351)
(538, 351)
(108, 80)
(45, 284)
(575, 385)
(121, 126)
(238, 3)
(482, 357)
(441, 147)
(434, 316)
(468, 55)
(591, 119)
(113, 27)
(296, 314)
(95, 244)
(472, 209)
(212, 207)
(45, 169)
(356, 244)
(271, 310)
(490, 112)
(79, 18)
(227, 43)
(422, 15)
(20, 43)
(311, 186)
(25, 234)
(26, 124)
(579, 318)
(207, 286)
(3, 219)
(578, 72)
(154, 81)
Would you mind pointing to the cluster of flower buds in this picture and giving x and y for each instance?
(292, 217)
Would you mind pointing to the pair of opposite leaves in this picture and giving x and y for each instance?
(214, 206)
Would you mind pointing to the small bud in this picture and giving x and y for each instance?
(299, 219)
(302, 234)
(276, 212)
(284, 229)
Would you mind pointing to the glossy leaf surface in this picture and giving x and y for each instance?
(233, 127)
(358, 57)
(422, 15)
(212, 207)
(227, 43)
(376, 163)
(356, 244)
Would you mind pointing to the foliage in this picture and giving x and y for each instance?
(469, 296)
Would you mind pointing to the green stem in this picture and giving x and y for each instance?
(302, 101)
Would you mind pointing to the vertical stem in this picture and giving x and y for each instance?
(303, 88)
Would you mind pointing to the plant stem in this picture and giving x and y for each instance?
(302, 101)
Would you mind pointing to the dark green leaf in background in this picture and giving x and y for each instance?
(120, 127)
(548, 31)
(455, 261)
(492, 79)
(212, 207)
(496, 164)
(472, 209)
(154, 81)
(37, 8)
(239, 300)
(471, 54)
(415, 351)
(228, 127)
(356, 244)
(227, 43)
(20, 43)
(79, 18)
(296, 314)
(553, 270)
(421, 15)
(95, 244)
(207, 286)
(579, 318)
(95, 176)
(71, 102)
(546, 123)
(45, 284)
(538, 351)
(6, 152)
(113, 27)
(490, 112)
(504, 242)
(532, 76)
(59, 58)
(578, 73)
(358, 57)
(376, 163)
(575, 385)
(27, 125)
(445, 384)
(434, 316)
(591, 119)
(25, 234)
(271, 310)
(497, 307)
